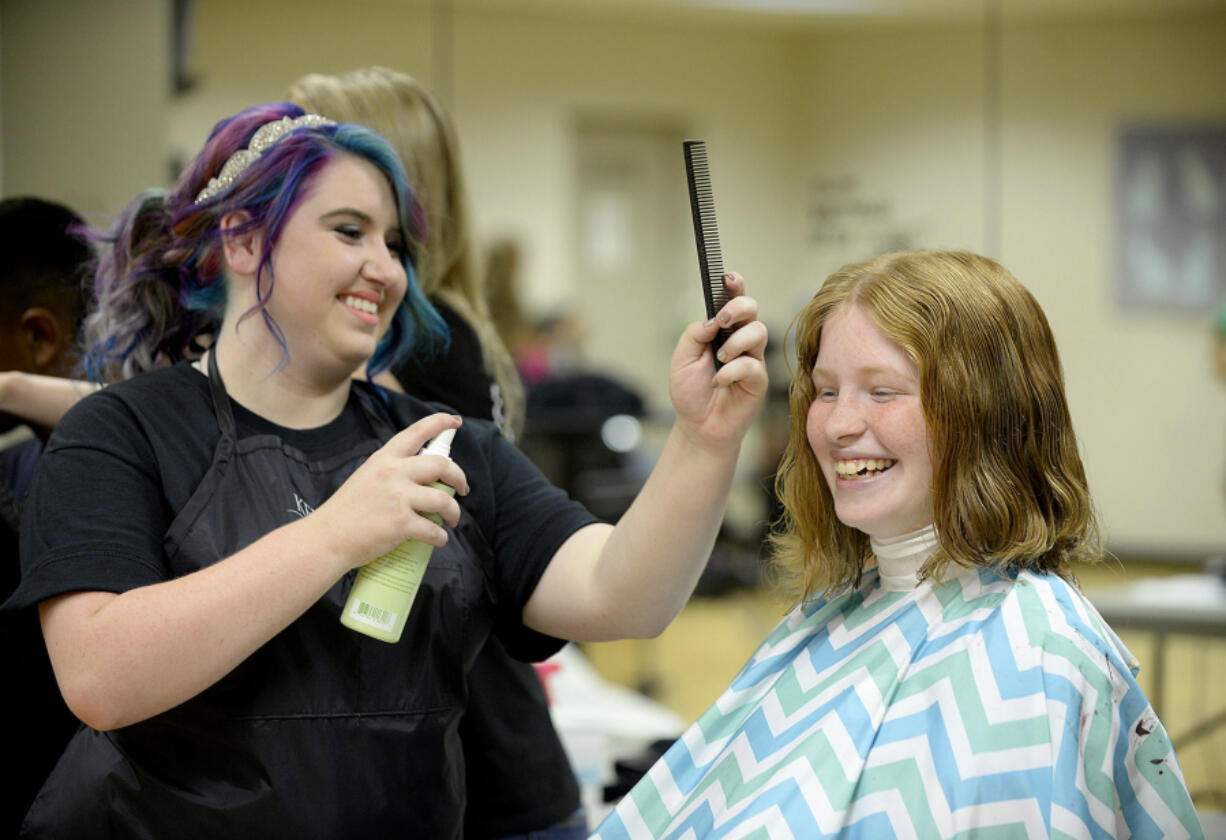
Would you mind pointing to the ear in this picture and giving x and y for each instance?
(45, 339)
(242, 247)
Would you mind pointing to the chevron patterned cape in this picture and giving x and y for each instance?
(987, 706)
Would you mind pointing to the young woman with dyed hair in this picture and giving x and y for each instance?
(194, 530)
(942, 675)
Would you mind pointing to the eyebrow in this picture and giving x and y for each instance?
(348, 211)
(871, 370)
(355, 213)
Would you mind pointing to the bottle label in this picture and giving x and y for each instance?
(370, 614)
(401, 568)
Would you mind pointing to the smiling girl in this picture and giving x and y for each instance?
(942, 675)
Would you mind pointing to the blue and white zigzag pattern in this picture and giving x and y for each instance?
(984, 706)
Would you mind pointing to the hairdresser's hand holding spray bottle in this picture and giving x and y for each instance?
(383, 592)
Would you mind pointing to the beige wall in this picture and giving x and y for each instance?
(881, 129)
(520, 83)
(85, 91)
(901, 114)
(1151, 414)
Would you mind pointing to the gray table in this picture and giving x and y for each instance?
(1190, 604)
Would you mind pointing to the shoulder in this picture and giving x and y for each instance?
(1072, 640)
(1056, 606)
(175, 395)
(156, 393)
(161, 415)
(1025, 617)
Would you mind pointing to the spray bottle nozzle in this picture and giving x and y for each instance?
(441, 445)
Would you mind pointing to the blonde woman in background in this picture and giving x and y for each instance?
(518, 777)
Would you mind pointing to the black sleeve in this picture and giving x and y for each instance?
(95, 515)
(525, 518)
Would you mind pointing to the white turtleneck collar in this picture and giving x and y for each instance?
(899, 558)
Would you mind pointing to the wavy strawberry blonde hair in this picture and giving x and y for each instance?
(1009, 488)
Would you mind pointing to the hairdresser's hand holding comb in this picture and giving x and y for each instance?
(632, 580)
(715, 408)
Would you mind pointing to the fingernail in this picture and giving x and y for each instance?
(709, 322)
(722, 355)
(725, 318)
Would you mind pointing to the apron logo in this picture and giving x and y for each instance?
(301, 507)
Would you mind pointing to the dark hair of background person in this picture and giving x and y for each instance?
(43, 266)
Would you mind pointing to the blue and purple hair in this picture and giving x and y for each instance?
(162, 284)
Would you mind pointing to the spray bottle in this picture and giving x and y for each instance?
(385, 587)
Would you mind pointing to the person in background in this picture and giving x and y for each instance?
(942, 675)
(193, 615)
(543, 346)
(43, 268)
(518, 777)
(502, 267)
(43, 265)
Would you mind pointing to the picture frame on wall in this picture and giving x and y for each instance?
(1170, 209)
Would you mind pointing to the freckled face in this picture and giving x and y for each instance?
(866, 426)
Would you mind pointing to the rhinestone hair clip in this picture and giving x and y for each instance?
(264, 137)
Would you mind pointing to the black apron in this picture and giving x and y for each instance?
(322, 732)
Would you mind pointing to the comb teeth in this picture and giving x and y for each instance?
(706, 231)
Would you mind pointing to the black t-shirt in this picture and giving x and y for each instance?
(517, 772)
(125, 460)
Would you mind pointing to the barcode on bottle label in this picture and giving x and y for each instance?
(372, 615)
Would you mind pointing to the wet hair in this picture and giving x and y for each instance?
(404, 111)
(45, 259)
(1009, 487)
(161, 286)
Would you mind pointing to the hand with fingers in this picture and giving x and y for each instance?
(716, 408)
(385, 501)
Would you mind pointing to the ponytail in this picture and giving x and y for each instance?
(148, 306)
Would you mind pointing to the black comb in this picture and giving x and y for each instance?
(706, 234)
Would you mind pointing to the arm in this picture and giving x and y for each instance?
(41, 400)
(122, 658)
(632, 580)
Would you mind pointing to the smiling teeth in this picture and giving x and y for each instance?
(863, 466)
(361, 304)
